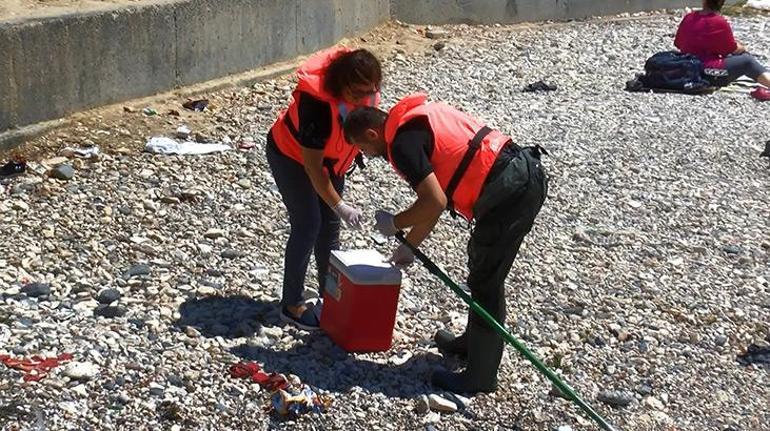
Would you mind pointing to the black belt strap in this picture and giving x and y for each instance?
(473, 147)
(292, 128)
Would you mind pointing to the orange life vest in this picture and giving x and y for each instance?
(339, 155)
(464, 148)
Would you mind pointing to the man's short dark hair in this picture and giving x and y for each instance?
(361, 119)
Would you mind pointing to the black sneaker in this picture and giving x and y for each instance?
(12, 169)
(307, 321)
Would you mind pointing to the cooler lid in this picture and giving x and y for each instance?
(366, 267)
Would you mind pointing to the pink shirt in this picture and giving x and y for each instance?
(708, 36)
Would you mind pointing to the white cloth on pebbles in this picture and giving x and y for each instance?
(162, 145)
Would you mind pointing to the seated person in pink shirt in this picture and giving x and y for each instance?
(707, 35)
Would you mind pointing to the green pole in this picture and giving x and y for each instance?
(507, 336)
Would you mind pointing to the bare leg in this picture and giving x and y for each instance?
(764, 79)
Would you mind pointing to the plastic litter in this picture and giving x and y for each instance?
(301, 402)
(758, 4)
(149, 111)
(163, 145)
(83, 153)
(13, 168)
(198, 105)
(183, 132)
(539, 86)
(247, 144)
(253, 371)
(379, 238)
(755, 354)
(35, 368)
(286, 401)
(766, 153)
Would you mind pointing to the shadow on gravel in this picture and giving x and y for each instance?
(320, 363)
(227, 317)
(315, 359)
(14, 410)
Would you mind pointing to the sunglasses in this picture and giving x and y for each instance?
(357, 93)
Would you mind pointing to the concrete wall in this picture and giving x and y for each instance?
(512, 11)
(52, 67)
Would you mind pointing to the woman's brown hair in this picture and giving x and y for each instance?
(355, 67)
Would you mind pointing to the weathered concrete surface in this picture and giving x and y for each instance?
(52, 67)
(334, 19)
(60, 65)
(217, 38)
(512, 11)
(6, 83)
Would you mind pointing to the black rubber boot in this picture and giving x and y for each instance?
(485, 350)
(447, 342)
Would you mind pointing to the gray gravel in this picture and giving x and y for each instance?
(646, 274)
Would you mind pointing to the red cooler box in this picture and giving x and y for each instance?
(360, 300)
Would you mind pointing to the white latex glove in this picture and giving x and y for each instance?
(402, 257)
(351, 215)
(385, 224)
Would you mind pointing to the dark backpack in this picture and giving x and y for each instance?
(674, 71)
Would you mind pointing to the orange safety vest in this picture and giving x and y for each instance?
(339, 155)
(464, 148)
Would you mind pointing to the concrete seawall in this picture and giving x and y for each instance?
(52, 67)
(514, 11)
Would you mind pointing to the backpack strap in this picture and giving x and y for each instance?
(473, 147)
(359, 163)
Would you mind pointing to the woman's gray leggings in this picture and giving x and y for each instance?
(743, 64)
